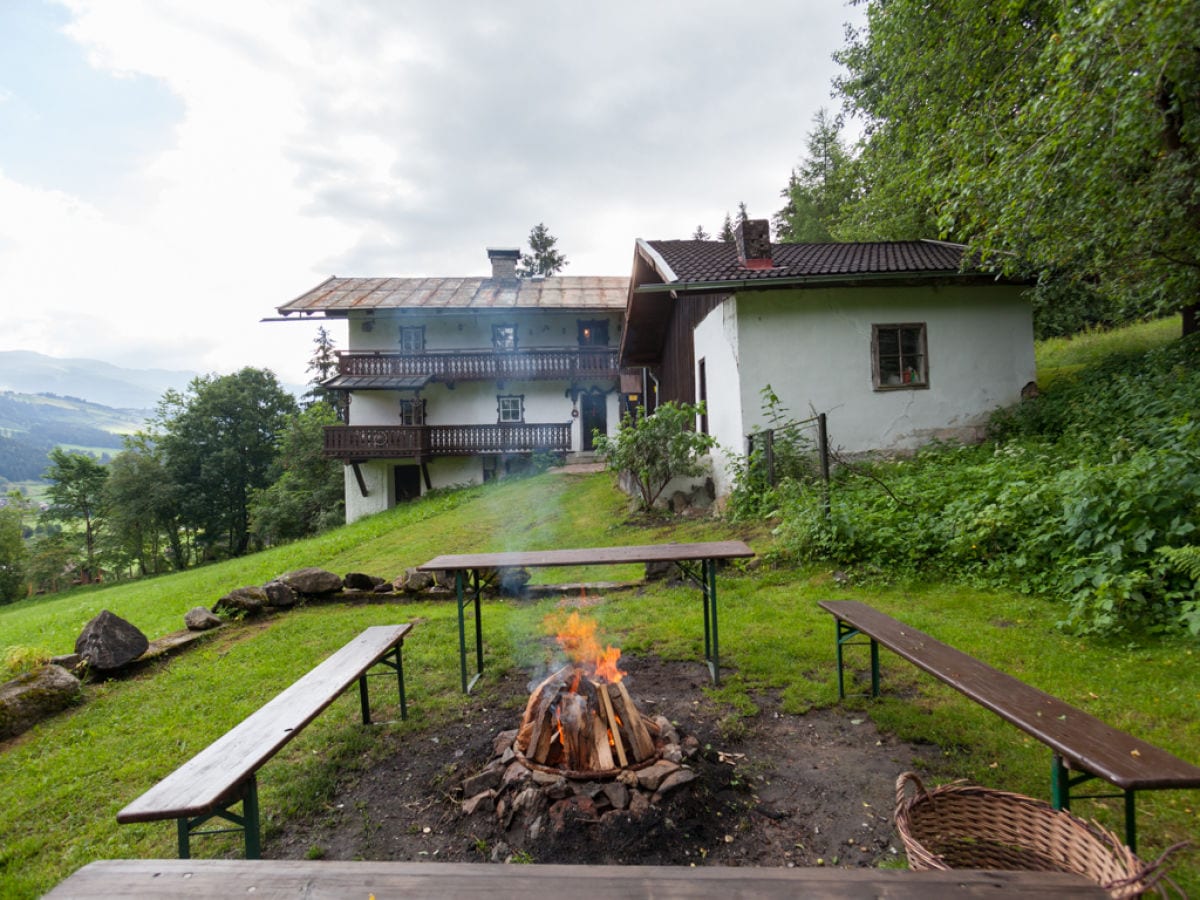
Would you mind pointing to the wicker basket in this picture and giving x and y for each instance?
(960, 826)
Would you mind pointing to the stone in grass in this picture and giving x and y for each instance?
(312, 581)
(360, 581)
(280, 596)
(108, 642)
(248, 600)
(34, 696)
(200, 619)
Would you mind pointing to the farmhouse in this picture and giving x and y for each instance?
(459, 380)
(897, 343)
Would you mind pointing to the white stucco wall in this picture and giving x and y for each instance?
(814, 348)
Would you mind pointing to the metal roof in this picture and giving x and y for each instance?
(376, 382)
(339, 296)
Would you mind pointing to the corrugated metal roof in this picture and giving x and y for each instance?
(339, 295)
(376, 382)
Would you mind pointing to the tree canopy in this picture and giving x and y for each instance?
(1055, 139)
(543, 259)
(819, 187)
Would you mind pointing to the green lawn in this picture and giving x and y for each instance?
(1058, 357)
(65, 780)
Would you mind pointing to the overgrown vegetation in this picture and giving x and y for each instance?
(1088, 494)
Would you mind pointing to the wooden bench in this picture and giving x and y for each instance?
(1079, 742)
(339, 879)
(223, 774)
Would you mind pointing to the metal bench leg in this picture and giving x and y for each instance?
(841, 633)
(363, 699)
(1060, 784)
(184, 829)
(1130, 820)
(845, 633)
(708, 571)
(250, 814)
(400, 678)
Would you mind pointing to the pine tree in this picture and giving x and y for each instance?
(700, 234)
(323, 364)
(544, 260)
(727, 230)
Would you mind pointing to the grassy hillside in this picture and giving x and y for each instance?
(65, 780)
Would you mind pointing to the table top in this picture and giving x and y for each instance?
(318, 880)
(591, 556)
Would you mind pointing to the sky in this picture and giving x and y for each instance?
(171, 171)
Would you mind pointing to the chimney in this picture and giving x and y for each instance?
(504, 264)
(753, 240)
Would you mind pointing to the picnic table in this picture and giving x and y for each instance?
(687, 557)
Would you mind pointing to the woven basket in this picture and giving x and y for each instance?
(960, 826)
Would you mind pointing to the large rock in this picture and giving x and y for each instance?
(249, 600)
(108, 642)
(414, 582)
(27, 700)
(360, 581)
(312, 582)
(280, 595)
(200, 619)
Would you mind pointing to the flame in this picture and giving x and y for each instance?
(577, 637)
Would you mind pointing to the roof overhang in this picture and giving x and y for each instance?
(376, 383)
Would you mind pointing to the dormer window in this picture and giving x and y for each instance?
(504, 337)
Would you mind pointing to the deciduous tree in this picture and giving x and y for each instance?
(76, 493)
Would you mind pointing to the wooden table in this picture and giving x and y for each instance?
(337, 880)
(704, 554)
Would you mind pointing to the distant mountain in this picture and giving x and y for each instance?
(26, 372)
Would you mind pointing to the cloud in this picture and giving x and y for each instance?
(377, 138)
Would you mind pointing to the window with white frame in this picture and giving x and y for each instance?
(412, 412)
(510, 408)
(899, 358)
(412, 338)
(504, 337)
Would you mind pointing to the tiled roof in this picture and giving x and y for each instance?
(703, 262)
(341, 295)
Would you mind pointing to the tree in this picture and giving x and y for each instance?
(544, 260)
(76, 492)
(1053, 138)
(309, 496)
(323, 364)
(727, 234)
(742, 216)
(143, 513)
(219, 443)
(700, 234)
(819, 187)
(656, 448)
(12, 554)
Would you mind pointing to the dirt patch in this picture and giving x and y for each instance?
(775, 790)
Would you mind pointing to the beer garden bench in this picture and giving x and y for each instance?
(1080, 743)
(223, 774)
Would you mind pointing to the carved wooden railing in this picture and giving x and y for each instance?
(471, 365)
(356, 442)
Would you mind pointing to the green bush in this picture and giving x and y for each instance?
(1089, 494)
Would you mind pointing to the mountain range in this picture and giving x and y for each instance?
(26, 372)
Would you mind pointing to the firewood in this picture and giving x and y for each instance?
(643, 744)
(604, 757)
(576, 738)
(613, 727)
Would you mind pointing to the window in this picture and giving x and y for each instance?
(898, 357)
(504, 337)
(412, 338)
(412, 412)
(510, 408)
(593, 333)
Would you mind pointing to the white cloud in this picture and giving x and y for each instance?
(380, 138)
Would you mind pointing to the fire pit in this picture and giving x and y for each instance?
(581, 720)
(583, 750)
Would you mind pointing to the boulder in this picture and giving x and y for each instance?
(358, 581)
(200, 619)
(312, 582)
(27, 700)
(280, 596)
(108, 642)
(249, 600)
(511, 581)
(414, 582)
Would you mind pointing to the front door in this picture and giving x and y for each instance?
(593, 415)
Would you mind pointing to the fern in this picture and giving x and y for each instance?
(1183, 559)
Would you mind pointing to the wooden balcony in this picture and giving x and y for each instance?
(362, 442)
(567, 363)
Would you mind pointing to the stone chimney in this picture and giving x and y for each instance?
(504, 264)
(753, 240)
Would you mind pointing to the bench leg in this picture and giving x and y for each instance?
(845, 633)
(1061, 783)
(247, 822)
(394, 660)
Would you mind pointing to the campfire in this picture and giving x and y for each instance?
(581, 721)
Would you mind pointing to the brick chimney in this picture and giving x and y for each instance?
(753, 240)
(504, 264)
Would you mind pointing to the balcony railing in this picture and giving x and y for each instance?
(475, 365)
(358, 442)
